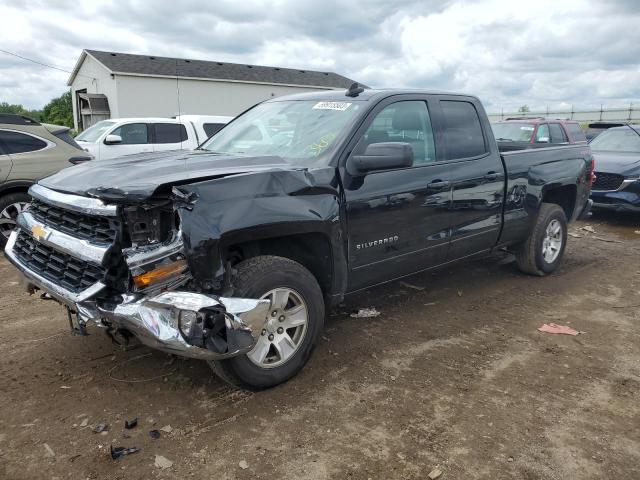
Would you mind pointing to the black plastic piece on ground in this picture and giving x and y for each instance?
(129, 424)
(118, 452)
(155, 434)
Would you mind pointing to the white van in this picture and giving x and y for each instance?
(125, 136)
(206, 125)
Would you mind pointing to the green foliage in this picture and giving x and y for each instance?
(59, 111)
(524, 109)
(20, 110)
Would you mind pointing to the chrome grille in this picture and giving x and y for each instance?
(80, 225)
(62, 269)
(607, 181)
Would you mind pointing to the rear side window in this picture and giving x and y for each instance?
(65, 137)
(576, 132)
(557, 133)
(212, 128)
(132, 133)
(170, 133)
(542, 135)
(462, 130)
(15, 142)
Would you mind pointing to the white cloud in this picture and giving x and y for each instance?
(573, 52)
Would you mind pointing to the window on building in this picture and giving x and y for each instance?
(462, 130)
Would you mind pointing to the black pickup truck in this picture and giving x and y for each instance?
(231, 253)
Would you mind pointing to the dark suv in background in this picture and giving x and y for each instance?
(617, 155)
(536, 132)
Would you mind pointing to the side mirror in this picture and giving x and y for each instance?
(381, 156)
(113, 139)
(543, 140)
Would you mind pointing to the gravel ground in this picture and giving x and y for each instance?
(452, 375)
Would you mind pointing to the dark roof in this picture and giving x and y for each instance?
(164, 66)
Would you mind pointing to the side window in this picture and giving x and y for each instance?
(170, 133)
(212, 128)
(462, 130)
(557, 133)
(406, 122)
(132, 133)
(576, 132)
(15, 142)
(542, 135)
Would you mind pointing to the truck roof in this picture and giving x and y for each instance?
(367, 94)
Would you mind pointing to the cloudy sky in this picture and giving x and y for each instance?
(509, 53)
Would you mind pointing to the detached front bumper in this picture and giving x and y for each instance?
(183, 323)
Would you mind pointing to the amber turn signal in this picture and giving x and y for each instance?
(161, 273)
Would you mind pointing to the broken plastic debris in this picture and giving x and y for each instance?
(118, 452)
(166, 429)
(49, 451)
(155, 434)
(129, 424)
(558, 329)
(162, 462)
(435, 473)
(588, 228)
(365, 313)
(84, 422)
(243, 465)
(101, 427)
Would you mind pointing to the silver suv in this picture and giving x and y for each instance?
(29, 151)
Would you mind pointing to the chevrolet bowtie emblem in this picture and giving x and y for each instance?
(39, 232)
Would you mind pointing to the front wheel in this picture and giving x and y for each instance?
(542, 252)
(10, 207)
(294, 322)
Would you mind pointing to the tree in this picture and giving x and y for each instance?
(59, 111)
(20, 110)
(524, 109)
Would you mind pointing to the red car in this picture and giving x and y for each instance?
(537, 132)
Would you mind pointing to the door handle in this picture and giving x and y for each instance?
(438, 184)
(492, 176)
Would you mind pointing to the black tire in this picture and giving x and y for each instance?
(529, 255)
(253, 279)
(7, 201)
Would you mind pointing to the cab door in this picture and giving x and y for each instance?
(397, 220)
(477, 177)
(134, 138)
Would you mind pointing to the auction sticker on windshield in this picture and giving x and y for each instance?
(332, 106)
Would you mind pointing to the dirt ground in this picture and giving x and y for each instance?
(453, 374)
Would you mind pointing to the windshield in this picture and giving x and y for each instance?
(93, 133)
(303, 133)
(625, 140)
(513, 132)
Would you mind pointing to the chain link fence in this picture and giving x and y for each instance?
(630, 113)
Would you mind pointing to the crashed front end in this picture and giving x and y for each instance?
(124, 267)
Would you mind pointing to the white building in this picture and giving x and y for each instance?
(112, 85)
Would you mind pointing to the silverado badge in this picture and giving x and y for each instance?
(39, 232)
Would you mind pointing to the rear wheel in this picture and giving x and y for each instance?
(542, 252)
(10, 206)
(293, 326)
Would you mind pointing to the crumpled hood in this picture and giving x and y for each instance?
(627, 164)
(137, 177)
